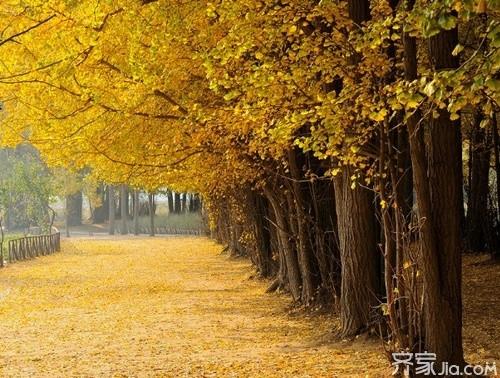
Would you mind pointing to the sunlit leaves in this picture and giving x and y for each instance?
(211, 95)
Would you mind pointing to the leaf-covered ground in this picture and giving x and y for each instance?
(160, 307)
(175, 307)
(481, 317)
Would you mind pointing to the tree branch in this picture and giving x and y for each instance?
(12, 37)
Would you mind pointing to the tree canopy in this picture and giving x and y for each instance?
(169, 91)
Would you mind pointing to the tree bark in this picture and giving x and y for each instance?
(196, 203)
(170, 201)
(262, 236)
(177, 203)
(477, 207)
(303, 243)
(152, 210)
(183, 202)
(326, 238)
(358, 253)
(443, 297)
(127, 203)
(357, 232)
(290, 257)
(112, 209)
(99, 215)
(438, 186)
(123, 208)
(136, 212)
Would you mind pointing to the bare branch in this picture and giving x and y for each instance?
(12, 37)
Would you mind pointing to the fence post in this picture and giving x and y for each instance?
(33, 246)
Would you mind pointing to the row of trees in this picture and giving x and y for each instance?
(100, 208)
(30, 191)
(328, 139)
(178, 203)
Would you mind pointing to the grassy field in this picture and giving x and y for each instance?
(189, 221)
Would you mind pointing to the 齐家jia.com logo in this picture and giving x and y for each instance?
(425, 364)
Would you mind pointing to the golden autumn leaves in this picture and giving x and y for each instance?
(206, 96)
(162, 307)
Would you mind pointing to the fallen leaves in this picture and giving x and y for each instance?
(165, 307)
(147, 307)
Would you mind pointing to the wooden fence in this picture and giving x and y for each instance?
(29, 247)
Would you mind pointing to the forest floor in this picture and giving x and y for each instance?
(176, 307)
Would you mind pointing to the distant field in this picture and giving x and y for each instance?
(189, 221)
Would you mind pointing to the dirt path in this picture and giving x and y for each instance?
(169, 307)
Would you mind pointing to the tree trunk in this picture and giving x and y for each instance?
(290, 257)
(477, 207)
(136, 212)
(326, 241)
(192, 203)
(123, 209)
(74, 209)
(437, 186)
(405, 180)
(443, 297)
(100, 212)
(112, 209)
(183, 202)
(495, 243)
(357, 232)
(262, 236)
(177, 203)
(127, 202)
(303, 243)
(170, 201)
(358, 253)
(196, 203)
(152, 210)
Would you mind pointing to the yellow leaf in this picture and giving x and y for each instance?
(378, 116)
(335, 171)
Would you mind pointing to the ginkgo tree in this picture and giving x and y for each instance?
(323, 136)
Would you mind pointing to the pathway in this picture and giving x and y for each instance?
(162, 307)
